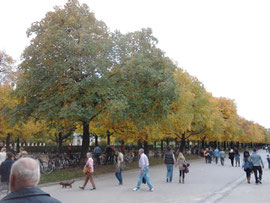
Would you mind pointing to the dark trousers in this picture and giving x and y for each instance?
(182, 173)
(255, 169)
(232, 161)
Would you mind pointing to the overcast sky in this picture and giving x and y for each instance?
(225, 44)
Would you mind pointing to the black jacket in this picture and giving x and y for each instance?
(5, 169)
(28, 195)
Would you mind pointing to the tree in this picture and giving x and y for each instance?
(75, 69)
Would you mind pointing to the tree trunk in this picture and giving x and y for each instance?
(139, 144)
(8, 142)
(146, 148)
(203, 144)
(60, 143)
(108, 138)
(161, 146)
(96, 140)
(183, 143)
(18, 144)
(85, 142)
(167, 142)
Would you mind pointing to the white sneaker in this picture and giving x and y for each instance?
(151, 190)
(136, 189)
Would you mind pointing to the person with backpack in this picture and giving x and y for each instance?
(222, 157)
(169, 160)
(206, 155)
(237, 158)
(216, 154)
(257, 165)
(231, 156)
(247, 166)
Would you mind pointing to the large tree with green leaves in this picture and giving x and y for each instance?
(76, 69)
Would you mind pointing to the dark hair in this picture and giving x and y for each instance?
(169, 148)
(9, 155)
(254, 150)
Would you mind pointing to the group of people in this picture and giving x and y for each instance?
(217, 154)
(169, 160)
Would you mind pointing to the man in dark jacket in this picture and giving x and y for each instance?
(169, 160)
(5, 168)
(24, 177)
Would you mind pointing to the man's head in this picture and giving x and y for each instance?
(3, 149)
(9, 155)
(141, 151)
(254, 150)
(24, 173)
(169, 148)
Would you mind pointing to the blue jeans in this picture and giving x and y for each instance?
(146, 176)
(169, 171)
(118, 175)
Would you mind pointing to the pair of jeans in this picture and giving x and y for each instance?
(118, 175)
(216, 157)
(222, 161)
(237, 162)
(259, 169)
(146, 176)
(169, 172)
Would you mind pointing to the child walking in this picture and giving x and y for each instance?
(181, 163)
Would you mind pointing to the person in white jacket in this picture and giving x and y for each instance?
(3, 155)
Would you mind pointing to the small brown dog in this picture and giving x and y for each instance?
(67, 183)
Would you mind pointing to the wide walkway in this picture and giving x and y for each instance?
(205, 183)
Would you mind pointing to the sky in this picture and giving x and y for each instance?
(225, 44)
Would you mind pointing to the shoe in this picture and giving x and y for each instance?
(93, 188)
(259, 181)
(167, 180)
(82, 188)
(136, 189)
(151, 190)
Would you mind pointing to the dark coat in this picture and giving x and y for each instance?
(29, 195)
(5, 169)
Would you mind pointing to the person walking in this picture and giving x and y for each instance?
(3, 155)
(206, 155)
(210, 155)
(88, 171)
(268, 161)
(237, 158)
(5, 168)
(169, 160)
(231, 156)
(216, 154)
(97, 152)
(247, 166)
(144, 171)
(257, 165)
(119, 166)
(222, 157)
(182, 164)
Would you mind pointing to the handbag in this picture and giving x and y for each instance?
(186, 170)
(86, 170)
(143, 181)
